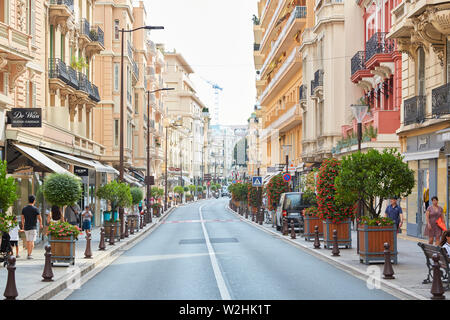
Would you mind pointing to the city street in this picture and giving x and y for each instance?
(202, 251)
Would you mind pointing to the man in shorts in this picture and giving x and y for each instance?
(30, 216)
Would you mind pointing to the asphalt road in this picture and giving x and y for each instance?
(204, 252)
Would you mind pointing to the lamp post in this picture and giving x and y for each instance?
(149, 187)
(359, 111)
(286, 151)
(122, 115)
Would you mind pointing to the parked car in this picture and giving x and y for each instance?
(225, 192)
(291, 206)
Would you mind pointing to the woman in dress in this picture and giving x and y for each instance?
(55, 215)
(432, 230)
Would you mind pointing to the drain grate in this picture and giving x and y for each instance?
(212, 240)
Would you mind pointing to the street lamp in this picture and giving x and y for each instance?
(359, 111)
(121, 152)
(147, 179)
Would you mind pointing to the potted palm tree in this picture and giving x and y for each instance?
(61, 189)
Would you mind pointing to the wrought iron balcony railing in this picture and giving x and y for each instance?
(378, 43)
(95, 95)
(318, 80)
(73, 77)
(302, 92)
(68, 3)
(97, 34)
(135, 69)
(414, 110)
(130, 50)
(358, 62)
(84, 84)
(58, 69)
(85, 28)
(440, 103)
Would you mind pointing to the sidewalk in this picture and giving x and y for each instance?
(29, 272)
(410, 271)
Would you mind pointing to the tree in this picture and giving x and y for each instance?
(62, 189)
(186, 189)
(137, 195)
(179, 190)
(117, 193)
(274, 189)
(192, 188)
(373, 177)
(8, 196)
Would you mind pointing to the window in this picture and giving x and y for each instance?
(4, 9)
(116, 29)
(52, 42)
(63, 42)
(116, 132)
(421, 72)
(136, 103)
(31, 28)
(116, 77)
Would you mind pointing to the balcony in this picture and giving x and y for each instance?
(135, 71)
(441, 100)
(130, 50)
(58, 70)
(98, 41)
(152, 47)
(151, 74)
(95, 96)
(414, 110)
(379, 49)
(15, 46)
(302, 95)
(270, 28)
(294, 24)
(84, 35)
(60, 10)
(73, 78)
(358, 62)
(317, 83)
(256, 47)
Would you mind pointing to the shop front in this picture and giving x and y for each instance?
(426, 157)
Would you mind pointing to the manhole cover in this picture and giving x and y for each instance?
(212, 240)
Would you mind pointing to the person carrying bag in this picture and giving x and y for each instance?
(72, 215)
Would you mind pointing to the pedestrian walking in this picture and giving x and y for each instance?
(72, 214)
(14, 237)
(55, 215)
(445, 241)
(87, 215)
(394, 212)
(140, 205)
(30, 216)
(433, 214)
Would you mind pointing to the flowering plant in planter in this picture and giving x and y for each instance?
(379, 221)
(275, 188)
(312, 212)
(63, 229)
(328, 207)
(252, 195)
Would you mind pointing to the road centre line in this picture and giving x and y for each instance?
(217, 273)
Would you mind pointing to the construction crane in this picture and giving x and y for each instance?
(216, 88)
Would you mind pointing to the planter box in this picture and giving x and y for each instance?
(310, 224)
(343, 232)
(107, 225)
(371, 243)
(63, 249)
(107, 215)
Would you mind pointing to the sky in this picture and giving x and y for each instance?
(216, 39)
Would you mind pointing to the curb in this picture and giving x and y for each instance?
(61, 284)
(386, 286)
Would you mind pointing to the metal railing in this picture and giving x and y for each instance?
(414, 110)
(358, 62)
(378, 43)
(85, 28)
(302, 92)
(318, 80)
(67, 3)
(97, 34)
(135, 69)
(73, 77)
(84, 84)
(58, 69)
(130, 50)
(256, 46)
(440, 103)
(95, 94)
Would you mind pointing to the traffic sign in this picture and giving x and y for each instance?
(257, 181)
(291, 168)
(287, 177)
(234, 181)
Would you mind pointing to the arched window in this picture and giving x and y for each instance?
(420, 72)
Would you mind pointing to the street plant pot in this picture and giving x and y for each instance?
(254, 210)
(371, 243)
(63, 249)
(343, 233)
(107, 215)
(310, 224)
(108, 225)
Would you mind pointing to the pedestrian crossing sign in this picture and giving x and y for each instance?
(257, 181)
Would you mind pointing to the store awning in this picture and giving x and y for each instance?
(131, 180)
(90, 164)
(424, 155)
(40, 159)
(106, 168)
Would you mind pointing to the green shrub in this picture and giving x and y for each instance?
(137, 195)
(116, 193)
(62, 189)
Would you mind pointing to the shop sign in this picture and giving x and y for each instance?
(25, 117)
(80, 171)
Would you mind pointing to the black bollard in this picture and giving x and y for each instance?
(437, 290)
(132, 226)
(88, 252)
(388, 272)
(246, 214)
(126, 230)
(48, 272)
(293, 236)
(141, 226)
(101, 245)
(111, 235)
(285, 227)
(335, 251)
(316, 238)
(11, 289)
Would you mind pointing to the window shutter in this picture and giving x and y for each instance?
(34, 94)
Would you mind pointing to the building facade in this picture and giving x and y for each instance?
(422, 35)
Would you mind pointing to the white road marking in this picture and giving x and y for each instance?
(212, 255)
